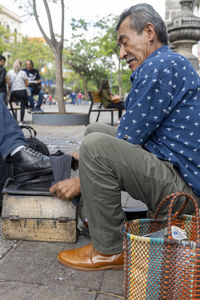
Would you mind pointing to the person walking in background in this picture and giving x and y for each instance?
(73, 96)
(17, 81)
(79, 98)
(2, 79)
(109, 100)
(34, 86)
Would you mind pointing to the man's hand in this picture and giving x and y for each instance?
(66, 189)
(75, 155)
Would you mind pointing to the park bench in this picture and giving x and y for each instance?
(95, 99)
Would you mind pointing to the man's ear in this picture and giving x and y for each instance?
(150, 31)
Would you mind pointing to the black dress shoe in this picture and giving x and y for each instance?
(29, 163)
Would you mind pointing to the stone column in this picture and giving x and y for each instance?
(184, 31)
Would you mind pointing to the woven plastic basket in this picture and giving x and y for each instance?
(162, 268)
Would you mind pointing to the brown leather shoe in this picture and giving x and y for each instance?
(88, 259)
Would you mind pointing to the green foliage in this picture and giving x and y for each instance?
(96, 58)
(79, 25)
(107, 40)
(82, 57)
(4, 38)
(126, 83)
(86, 56)
(72, 81)
(40, 53)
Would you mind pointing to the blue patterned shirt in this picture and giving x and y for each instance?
(163, 112)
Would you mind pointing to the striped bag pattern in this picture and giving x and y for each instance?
(162, 268)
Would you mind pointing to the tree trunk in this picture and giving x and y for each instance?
(59, 80)
(56, 47)
(85, 89)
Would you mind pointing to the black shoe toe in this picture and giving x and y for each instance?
(28, 161)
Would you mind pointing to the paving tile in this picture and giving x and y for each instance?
(67, 277)
(59, 274)
(21, 291)
(29, 262)
(113, 281)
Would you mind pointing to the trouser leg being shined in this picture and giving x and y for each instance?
(108, 166)
(11, 135)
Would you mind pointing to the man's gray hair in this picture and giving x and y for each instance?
(140, 15)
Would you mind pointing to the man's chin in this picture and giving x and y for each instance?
(133, 66)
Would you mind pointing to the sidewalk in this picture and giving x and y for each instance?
(29, 270)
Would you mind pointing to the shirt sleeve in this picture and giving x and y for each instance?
(24, 74)
(2, 77)
(37, 75)
(146, 106)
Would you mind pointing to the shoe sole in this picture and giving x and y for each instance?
(40, 183)
(29, 175)
(114, 267)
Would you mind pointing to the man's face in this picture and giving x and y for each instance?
(134, 48)
(2, 63)
(29, 66)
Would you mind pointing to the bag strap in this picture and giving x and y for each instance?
(14, 78)
(32, 131)
(172, 197)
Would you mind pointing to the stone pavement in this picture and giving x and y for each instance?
(29, 270)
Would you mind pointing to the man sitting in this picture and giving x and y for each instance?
(34, 86)
(154, 152)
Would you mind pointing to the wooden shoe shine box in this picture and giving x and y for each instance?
(38, 218)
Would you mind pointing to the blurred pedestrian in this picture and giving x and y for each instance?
(17, 81)
(79, 98)
(73, 96)
(2, 79)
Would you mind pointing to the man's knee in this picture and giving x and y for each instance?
(94, 127)
(94, 143)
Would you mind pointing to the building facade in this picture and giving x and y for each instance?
(11, 21)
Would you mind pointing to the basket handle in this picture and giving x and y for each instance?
(172, 198)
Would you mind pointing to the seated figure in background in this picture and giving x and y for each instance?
(109, 100)
(34, 86)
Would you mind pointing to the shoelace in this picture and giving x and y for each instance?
(33, 152)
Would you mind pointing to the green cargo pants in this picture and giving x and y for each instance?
(107, 166)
